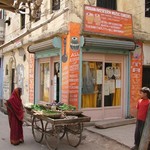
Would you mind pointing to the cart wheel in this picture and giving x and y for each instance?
(37, 129)
(61, 130)
(74, 134)
(51, 137)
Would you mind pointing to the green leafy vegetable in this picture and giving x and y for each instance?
(66, 107)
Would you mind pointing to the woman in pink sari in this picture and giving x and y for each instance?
(15, 115)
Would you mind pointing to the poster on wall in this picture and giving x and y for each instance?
(74, 64)
(20, 76)
(65, 71)
(106, 21)
(136, 74)
(70, 65)
(99, 76)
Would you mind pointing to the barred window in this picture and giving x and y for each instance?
(147, 8)
(55, 4)
(22, 20)
(110, 4)
(38, 15)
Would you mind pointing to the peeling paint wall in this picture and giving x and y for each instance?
(13, 60)
(140, 22)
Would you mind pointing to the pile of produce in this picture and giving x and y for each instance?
(66, 107)
(51, 112)
(38, 107)
(55, 104)
(61, 109)
(70, 110)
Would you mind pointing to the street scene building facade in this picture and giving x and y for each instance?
(91, 54)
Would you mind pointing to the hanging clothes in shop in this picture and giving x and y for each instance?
(89, 96)
(88, 85)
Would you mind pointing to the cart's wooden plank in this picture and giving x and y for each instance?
(64, 121)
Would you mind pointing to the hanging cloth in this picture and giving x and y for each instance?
(88, 85)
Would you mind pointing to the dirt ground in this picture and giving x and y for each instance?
(95, 141)
(90, 141)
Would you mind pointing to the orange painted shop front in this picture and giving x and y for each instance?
(105, 77)
(95, 74)
(137, 61)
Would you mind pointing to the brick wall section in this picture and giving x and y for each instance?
(31, 78)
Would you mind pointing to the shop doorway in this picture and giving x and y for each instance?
(44, 81)
(56, 81)
(48, 78)
(11, 68)
(102, 85)
(12, 80)
(146, 78)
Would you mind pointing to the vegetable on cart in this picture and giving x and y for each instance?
(54, 125)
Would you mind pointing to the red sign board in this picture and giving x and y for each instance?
(136, 76)
(70, 65)
(106, 21)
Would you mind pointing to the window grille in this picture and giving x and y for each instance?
(147, 8)
(110, 4)
(55, 4)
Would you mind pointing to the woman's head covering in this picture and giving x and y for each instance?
(17, 91)
(16, 103)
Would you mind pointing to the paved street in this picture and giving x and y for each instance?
(92, 141)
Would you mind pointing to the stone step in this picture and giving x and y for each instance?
(114, 123)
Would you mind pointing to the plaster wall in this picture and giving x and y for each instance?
(146, 52)
(140, 22)
(21, 79)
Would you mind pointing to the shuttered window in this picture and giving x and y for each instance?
(110, 4)
(147, 8)
(55, 4)
(22, 18)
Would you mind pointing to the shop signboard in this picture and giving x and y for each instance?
(108, 22)
(65, 71)
(70, 65)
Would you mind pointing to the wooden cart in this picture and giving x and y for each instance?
(55, 129)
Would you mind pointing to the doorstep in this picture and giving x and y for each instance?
(114, 123)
